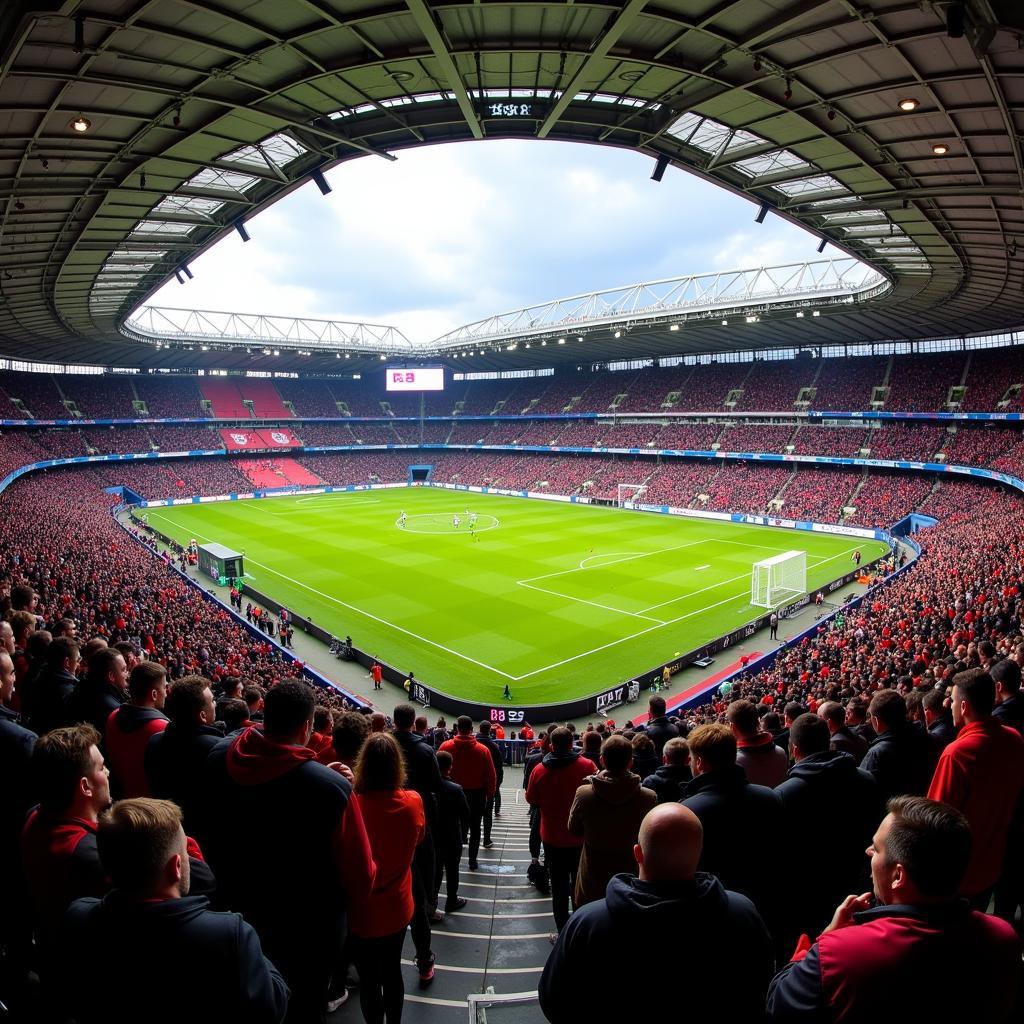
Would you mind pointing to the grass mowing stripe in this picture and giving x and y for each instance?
(450, 607)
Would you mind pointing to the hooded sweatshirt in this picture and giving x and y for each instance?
(183, 932)
(276, 798)
(552, 788)
(127, 734)
(831, 809)
(762, 759)
(607, 812)
(591, 976)
(472, 766)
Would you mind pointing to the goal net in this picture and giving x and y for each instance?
(779, 579)
(629, 494)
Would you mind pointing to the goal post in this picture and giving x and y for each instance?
(778, 579)
(627, 495)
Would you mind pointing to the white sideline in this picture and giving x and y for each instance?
(359, 611)
(658, 623)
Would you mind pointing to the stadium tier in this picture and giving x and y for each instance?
(979, 381)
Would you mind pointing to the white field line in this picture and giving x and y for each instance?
(593, 604)
(625, 558)
(320, 497)
(610, 554)
(363, 612)
(536, 671)
(669, 622)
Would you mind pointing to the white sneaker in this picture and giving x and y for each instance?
(333, 1004)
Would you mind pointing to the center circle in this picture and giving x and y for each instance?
(444, 523)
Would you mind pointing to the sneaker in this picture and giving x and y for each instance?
(497, 814)
(552, 937)
(473, 866)
(436, 917)
(426, 969)
(333, 1004)
(488, 844)
(457, 904)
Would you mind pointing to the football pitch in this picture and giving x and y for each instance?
(554, 599)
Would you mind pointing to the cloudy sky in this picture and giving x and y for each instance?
(450, 234)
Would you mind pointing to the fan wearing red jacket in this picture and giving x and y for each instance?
(473, 770)
(130, 727)
(858, 970)
(552, 788)
(981, 774)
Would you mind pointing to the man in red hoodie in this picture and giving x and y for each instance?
(473, 770)
(981, 774)
(130, 727)
(552, 788)
(276, 821)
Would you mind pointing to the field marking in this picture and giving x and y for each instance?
(669, 622)
(701, 568)
(565, 661)
(610, 554)
(583, 600)
(625, 558)
(360, 611)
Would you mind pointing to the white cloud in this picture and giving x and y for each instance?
(451, 234)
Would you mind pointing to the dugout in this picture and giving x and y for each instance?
(220, 563)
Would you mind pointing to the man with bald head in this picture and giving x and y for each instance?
(669, 906)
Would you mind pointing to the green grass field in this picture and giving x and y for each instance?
(556, 600)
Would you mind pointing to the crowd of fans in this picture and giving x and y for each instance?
(756, 438)
(915, 383)
(265, 837)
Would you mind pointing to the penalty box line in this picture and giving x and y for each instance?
(669, 622)
(362, 611)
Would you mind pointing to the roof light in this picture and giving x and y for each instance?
(909, 104)
(618, 334)
(799, 314)
(561, 341)
(674, 327)
(940, 149)
(725, 323)
(81, 124)
(816, 312)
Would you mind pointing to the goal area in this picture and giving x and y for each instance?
(779, 579)
(627, 495)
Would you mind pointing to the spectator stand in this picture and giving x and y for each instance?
(211, 593)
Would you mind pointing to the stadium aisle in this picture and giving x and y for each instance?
(499, 941)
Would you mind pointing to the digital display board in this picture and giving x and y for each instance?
(419, 378)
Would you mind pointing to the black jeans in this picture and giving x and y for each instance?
(535, 833)
(562, 863)
(381, 989)
(477, 803)
(422, 879)
(447, 863)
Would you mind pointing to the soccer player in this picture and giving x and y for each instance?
(456, 520)
(472, 519)
(401, 519)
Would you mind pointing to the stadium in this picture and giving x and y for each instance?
(728, 508)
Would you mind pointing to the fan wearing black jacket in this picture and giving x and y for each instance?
(452, 828)
(144, 850)
(674, 907)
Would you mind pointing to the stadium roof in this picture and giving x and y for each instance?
(197, 114)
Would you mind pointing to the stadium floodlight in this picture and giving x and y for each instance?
(762, 213)
(660, 166)
(240, 228)
(320, 181)
(822, 244)
(777, 580)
